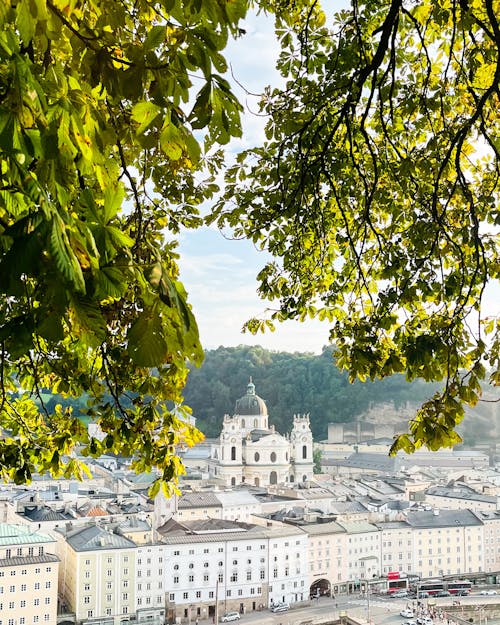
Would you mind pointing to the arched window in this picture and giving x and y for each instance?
(273, 477)
(273, 456)
(292, 478)
(304, 451)
(304, 478)
(243, 423)
(233, 481)
(255, 423)
(256, 481)
(233, 453)
(257, 456)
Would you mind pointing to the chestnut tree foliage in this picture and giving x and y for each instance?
(99, 100)
(377, 193)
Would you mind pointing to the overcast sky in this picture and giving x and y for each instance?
(220, 275)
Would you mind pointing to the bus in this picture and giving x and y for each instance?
(396, 581)
(459, 586)
(431, 586)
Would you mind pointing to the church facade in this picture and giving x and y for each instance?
(250, 452)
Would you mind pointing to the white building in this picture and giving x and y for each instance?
(249, 451)
(234, 565)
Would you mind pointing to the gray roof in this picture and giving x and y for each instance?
(40, 514)
(460, 493)
(94, 538)
(369, 461)
(347, 507)
(217, 530)
(24, 561)
(198, 500)
(441, 518)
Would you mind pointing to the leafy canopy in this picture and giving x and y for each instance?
(377, 192)
(99, 105)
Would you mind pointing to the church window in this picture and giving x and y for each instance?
(255, 423)
(233, 453)
(292, 478)
(233, 481)
(304, 451)
(273, 477)
(257, 456)
(304, 478)
(273, 456)
(243, 423)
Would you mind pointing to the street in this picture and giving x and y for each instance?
(380, 611)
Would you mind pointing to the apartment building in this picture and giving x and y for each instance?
(491, 540)
(28, 577)
(362, 549)
(328, 566)
(97, 575)
(446, 542)
(396, 547)
(235, 566)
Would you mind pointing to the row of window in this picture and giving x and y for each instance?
(22, 604)
(22, 620)
(262, 546)
(23, 587)
(211, 594)
(48, 569)
(24, 551)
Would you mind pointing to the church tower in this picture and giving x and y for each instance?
(251, 411)
(301, 449)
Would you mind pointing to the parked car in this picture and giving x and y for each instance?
(410, 623)
(443, 593)
(488, 592)
(423, 595)
(407, 613)
(399, 594)
(230, 616)
(280, 607)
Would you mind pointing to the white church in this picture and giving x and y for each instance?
(250, 452)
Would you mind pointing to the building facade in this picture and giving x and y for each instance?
(28, 577)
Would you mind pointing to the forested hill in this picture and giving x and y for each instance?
(290, 384)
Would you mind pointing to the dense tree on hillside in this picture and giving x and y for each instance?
(290, 384)
(377, 192)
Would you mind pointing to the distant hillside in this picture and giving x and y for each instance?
(290, 384)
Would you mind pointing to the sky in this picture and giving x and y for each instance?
(220, 274)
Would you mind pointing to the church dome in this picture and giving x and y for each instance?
(251, 404)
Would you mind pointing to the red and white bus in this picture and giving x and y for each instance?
(431, 586)
(459, 587)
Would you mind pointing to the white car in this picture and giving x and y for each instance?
(407, 613)
(425, 620)
(280, 607)
(488, 592)
(410, 623)
(230, 616)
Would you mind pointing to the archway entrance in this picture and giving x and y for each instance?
(320, 588)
